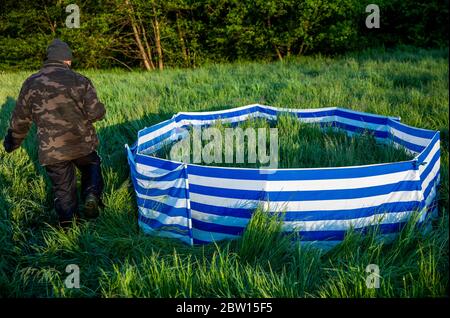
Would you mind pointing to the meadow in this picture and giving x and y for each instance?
(117, 260)
(300, 145)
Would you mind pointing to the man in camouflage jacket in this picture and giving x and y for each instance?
(64, 105)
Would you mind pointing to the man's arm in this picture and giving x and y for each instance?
(94, 109)
(20, 123)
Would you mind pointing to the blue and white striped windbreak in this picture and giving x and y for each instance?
(199, 204)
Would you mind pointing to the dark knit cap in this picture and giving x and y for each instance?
(59, 51)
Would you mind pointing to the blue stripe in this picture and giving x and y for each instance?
(347, 127)
(318, 215)
(171, 176)
(430, 186)
(161, 207)
(302, 174)
(200, 116)
(317, 114)
(428, 148)
(156, 162)
(175, 172)
(153, 128)
(417, 132)
(296, 112)
(223, 211)
(269, 111)
(156, 225)
(407, 145)
(309, 235)
(307, 195)
(366, 118)
(381, 120)
(155, 140)
(172, 191)
(430, 165)
(217, 228)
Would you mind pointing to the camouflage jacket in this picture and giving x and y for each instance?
(63, 104)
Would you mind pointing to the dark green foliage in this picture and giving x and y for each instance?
(411, 22)
(194, 32)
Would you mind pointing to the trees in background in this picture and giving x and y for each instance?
(154, 34)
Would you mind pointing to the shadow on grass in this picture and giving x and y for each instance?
(30, 142)
(406, 80)
(5, 112)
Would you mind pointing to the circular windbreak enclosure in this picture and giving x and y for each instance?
(200, 204)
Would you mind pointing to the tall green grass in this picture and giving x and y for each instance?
(117, 260)
(300, 145)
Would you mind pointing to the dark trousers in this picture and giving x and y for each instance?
(64, 183)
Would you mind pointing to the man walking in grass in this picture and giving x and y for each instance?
(64, 105)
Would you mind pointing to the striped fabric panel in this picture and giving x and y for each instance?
(429, 170)
(162, 197)
(199, 204)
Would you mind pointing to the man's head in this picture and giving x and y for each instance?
(59, 51)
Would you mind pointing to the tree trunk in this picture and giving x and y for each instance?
(302, 47)
(184, 51)
(147, 45)
(51, 24)
(137, 37)
(269, 26)
(280, 57)
(157, 38)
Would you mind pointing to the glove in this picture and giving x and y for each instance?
(9, 143)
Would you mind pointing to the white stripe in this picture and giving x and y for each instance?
(303, 185)
(168, 200)
(297, 110)
(410, 138)
(361, 124)
(154, 134)
(321, 205)
(154, 172)
(195, 122)
(316, 225)
(313, 110)
(343, 225)
(239, 118)
(430, 156)
(164, 218)
(431, 175)
(152, 149)
(162, 185)
(223, 111)
(432, 195)
(367, 114)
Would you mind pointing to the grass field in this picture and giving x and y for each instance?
(301, 145)
(117, 260)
